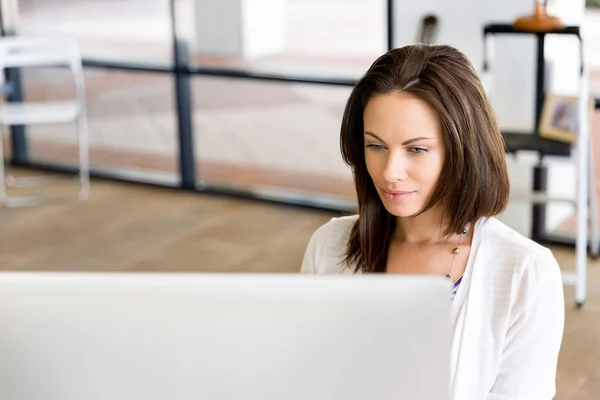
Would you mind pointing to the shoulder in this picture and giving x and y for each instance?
(526, 268)
(327, 246)
(509, 245)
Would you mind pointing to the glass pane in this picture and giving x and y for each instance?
(134, 30)
(131, 119)
(339, 38)
(271, 135)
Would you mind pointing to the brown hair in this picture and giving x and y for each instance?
(474, 181)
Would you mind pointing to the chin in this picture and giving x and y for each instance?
(402, 210)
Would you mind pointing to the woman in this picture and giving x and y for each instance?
(430, 174)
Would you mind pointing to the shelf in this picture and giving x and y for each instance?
(519, 141)
(507, 28)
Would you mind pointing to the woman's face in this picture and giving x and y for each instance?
(404, 151)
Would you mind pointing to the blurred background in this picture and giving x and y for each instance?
(214, 132)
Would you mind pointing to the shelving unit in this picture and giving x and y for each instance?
(581, 154)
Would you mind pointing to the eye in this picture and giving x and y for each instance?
(417, 150)
(376, 147)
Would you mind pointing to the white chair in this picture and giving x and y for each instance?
(24, 52)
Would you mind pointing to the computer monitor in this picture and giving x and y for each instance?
(129, 336)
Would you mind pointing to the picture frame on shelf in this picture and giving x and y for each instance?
(560, 118)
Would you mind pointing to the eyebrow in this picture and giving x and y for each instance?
(406, 142)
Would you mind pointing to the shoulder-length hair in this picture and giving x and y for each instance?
(474, 181)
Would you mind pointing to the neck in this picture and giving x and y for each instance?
(427, 227)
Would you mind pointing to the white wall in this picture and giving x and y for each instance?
(239, 28)
(563, 51)
(263, 27)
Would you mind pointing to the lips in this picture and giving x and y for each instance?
(397, 195)
(398, 192)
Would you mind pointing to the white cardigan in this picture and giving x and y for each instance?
(508, 313)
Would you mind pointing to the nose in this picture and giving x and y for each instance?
(396, 168)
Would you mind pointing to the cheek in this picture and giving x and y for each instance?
(374, 164)
(432, 171)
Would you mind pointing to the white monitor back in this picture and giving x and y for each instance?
(181, 337)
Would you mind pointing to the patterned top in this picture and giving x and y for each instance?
(455, 286)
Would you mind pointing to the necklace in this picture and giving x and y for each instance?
(455, 251)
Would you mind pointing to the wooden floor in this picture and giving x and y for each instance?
(134, 228)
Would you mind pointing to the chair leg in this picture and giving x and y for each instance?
(583, 192)
(27, 181)
(84, 162)
(29, 201)
(593, 204)
(582, 227)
